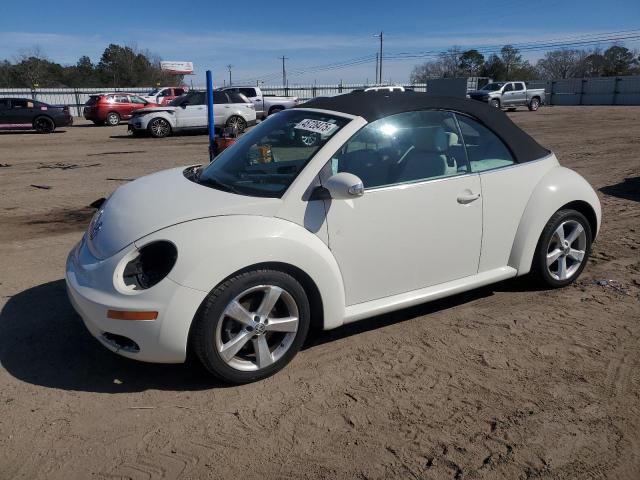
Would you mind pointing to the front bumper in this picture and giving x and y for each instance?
(91, 290)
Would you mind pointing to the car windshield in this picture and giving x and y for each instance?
(492, 87)
(153, 92)
(266, 160)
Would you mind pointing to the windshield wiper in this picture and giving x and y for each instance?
(215, 183)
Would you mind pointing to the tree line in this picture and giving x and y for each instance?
(119, 66)
(509, 64)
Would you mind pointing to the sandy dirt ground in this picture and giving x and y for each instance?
(504, 382)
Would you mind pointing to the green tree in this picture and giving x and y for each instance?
(471, 62)
(617, 60)
(494, 68)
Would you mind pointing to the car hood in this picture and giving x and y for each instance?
(154, 109)
(161, 200)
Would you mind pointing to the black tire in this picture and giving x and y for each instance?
(273, 110)
(44, 124)
(204, 333)
(495, 103)
(159, 128)
(238, 121)
(534, 104)
(112, 119)
(539, 268)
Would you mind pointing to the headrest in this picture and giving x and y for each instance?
(453, 139)
(431, 139)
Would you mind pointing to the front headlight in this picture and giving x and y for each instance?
(153, 262)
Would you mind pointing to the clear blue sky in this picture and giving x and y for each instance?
(252, 35)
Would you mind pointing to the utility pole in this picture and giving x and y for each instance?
(284, 72)
(380, 55)
(229, 67)
(376, 81)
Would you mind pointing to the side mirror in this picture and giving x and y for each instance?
(341, 186)
(184, 104)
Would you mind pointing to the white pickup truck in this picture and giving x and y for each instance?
(265, 104)
(510, 95)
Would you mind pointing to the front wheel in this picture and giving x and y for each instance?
(251, 326)
(563, 249)
(534, 104)
(159, 128)
(44, 125)
(495, 103)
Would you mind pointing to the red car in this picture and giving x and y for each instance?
(110, 108)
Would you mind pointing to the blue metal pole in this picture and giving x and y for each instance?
(210, 117)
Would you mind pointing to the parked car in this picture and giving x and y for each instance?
(189, 112)
(164, 95)
(510, 95)
(407, 198)
(28, 114)
(111, 108)
(265, 105)
(385, 88)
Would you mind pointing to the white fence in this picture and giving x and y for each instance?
(572, 91)
(74, 97)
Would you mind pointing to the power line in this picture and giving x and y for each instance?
(580, 40)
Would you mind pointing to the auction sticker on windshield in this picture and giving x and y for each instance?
(316, 126)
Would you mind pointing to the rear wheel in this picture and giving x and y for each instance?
(44, 125)
(563, 249)
(251, 326)
(112, 119)
(273, 110)
(159, 128)
(534, 104)
(236, 122)
(495, 103)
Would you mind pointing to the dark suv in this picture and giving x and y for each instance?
(28, 114)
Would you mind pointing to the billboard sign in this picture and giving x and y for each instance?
(178, 68)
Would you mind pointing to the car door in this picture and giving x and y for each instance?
(136, 103)
(252, 95)
(419, 222)
(519, 94)
(507, 95)
(20, 113)
(193, 111)
(122, 105)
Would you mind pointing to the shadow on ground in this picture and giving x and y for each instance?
(629, 189)
(43, 342)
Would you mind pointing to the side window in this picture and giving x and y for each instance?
(404, 148)
(519, 86)
(508, 87)
(178, 92)
(3, 103)
(485, 150)
(198, 98)
(220, 98)
(21, 104)
(121, 98)
(135, 99)
(249, 92)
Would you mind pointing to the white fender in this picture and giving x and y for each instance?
(557, 188)
(206, 256)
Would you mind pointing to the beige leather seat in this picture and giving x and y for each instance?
(428, 156)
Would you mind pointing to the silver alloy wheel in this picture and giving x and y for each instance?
(308, 140)
(257, 328)
(535, 104)
(566, 250)
(113, 119)
(160, 127)
(236, 123)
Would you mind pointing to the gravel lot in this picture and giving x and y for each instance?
(503, 382)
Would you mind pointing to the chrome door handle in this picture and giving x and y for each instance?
(465, 198)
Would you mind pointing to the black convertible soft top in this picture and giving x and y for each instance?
(375, 105)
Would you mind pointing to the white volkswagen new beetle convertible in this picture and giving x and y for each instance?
(402, 198)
